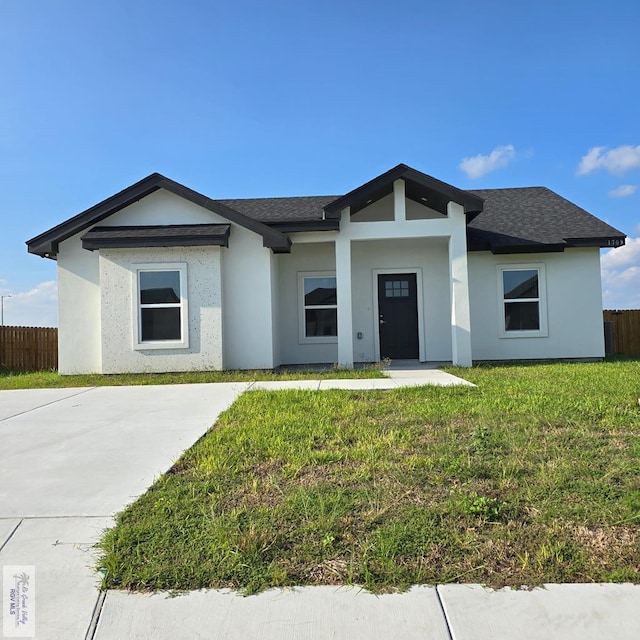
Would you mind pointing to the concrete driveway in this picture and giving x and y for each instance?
(72, 458)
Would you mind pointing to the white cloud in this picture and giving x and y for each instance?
(621, 276)
(616, 161)
(35, 308)
(624, 256)
(478, 166)
(623, 191)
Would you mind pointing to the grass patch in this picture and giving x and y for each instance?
(52, 379)
(530, 478)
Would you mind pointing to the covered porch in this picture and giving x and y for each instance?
(398, 266)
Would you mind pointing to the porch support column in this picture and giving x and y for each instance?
(459, 283)
(343, 294)
(399, 202)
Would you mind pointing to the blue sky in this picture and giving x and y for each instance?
(250, 99)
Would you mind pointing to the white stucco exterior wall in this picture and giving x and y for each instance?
(430, 258)
(163, 207)
(246, 278)
(243, 272)
(451, 226)
(246, 302)
(427, 255)
(79, 345)
(574, 306)
(275, 309)
(79, 306)
(459, 282)
(244, 306)
(318, 257)
(118, 306)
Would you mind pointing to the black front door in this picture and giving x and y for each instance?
(398, 316)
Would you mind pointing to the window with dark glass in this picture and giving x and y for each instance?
(160, 304)
(320, 307)
(521, 299)
(396, 289)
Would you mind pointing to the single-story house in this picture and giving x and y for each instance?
(162, 278)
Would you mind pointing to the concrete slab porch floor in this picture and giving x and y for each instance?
(71, 458)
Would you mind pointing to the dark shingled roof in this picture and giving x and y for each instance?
(517, 219)
(527, 218)
(294, 209)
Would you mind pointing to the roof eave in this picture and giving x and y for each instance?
(306, 225)
(47, 250)
(528, 248)
(603, 242)
(138, 243)
(363, 191)
(46, 244)
(189, 236)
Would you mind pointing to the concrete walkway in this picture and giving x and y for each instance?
(449, 612)
(72, 458)
(402, 373)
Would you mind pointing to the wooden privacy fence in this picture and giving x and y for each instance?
(28, 348)
(626, 330)
(36, 348)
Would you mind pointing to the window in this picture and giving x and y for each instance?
(319, 313)
(161, 319)
(396, 289)
(523, 304)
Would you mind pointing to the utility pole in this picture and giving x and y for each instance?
(2, 310)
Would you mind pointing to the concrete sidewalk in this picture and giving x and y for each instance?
(449, 612)
(72, 458)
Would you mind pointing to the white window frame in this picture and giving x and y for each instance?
(183, 343)
(543, 331)
(302, 334)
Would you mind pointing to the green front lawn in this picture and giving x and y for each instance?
(52, 379)
(532, 477)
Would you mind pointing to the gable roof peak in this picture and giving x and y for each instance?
(420, 187)
(46, 244)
